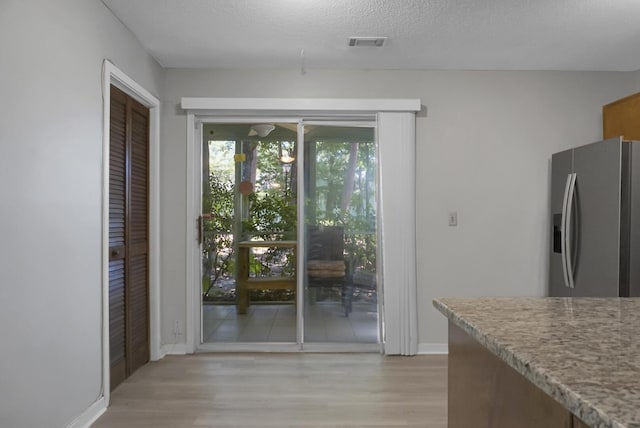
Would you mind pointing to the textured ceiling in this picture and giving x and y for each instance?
(423, 34)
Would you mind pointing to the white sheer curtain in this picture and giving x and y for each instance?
(396, 145)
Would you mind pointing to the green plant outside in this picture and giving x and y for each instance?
(272, 215)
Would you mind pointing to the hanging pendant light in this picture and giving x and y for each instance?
(261, 129)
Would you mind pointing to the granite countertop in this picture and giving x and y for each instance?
(584, 352)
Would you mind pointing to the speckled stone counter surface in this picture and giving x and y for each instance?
(584, 352)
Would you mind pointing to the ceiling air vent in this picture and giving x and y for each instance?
(375, 42)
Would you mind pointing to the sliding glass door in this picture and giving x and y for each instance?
(340, 226)
(249, 233)
(263, 281)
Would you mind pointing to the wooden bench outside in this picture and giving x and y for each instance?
(245, 283)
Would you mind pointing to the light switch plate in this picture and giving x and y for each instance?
(453, 218)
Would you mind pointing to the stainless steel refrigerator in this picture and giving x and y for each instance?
(595, 220)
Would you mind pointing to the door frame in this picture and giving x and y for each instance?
(396, 146)
(368, 121)
(112, 75)
(194, 263)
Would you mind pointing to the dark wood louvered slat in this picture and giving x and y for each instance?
(117, 352)
(139, 179)
(117, 314)
(138, 237)
(117, 202)
(138, 313)
(128, 236)
(118, 176)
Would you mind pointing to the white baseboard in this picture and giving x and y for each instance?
(90, 415)
(173, 349)
(433, 349)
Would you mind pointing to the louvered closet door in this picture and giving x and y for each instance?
(137, 239)
(128, 236)
(117, 220)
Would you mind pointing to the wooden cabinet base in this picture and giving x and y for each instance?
(484, 392)
(620, 118)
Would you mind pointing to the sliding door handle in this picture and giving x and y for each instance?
(200, 226)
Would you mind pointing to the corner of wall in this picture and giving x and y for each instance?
(90, 415)
(174, 349)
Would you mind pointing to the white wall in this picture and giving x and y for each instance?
(483, 149)
(51, 55)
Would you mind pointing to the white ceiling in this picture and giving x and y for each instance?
(423, 34)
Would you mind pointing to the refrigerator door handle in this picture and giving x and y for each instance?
(568, 226)
(563, 231)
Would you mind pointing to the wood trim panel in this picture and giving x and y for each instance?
(622, 118)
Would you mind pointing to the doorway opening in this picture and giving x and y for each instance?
(128, 236)
(288, 235)
(394, 121)
(143, 301)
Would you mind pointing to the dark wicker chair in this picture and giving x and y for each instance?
(326, 264)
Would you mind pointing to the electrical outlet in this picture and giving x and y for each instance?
(453, 218)
(177, 328)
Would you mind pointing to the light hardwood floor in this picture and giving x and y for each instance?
(283, 390)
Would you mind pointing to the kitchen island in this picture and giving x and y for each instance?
(526, 362)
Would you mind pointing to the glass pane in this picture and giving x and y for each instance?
(340, 221)
(249, 218)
